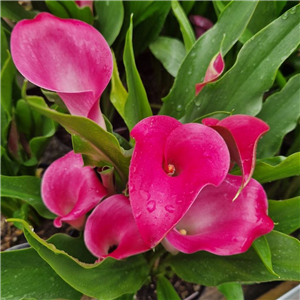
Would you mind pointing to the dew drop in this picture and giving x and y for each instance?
(293, 10)
(284, 16)
(151, 206)
(179, 107)
(170, 208)
(197, 102)
(190, 72)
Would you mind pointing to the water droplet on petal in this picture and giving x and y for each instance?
(151, 206)
(170, 208)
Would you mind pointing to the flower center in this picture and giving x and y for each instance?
(183, 232)
(170, 170)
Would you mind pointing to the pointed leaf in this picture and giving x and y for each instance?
(204, 268)
(196, 62)
(185, 26)
(242, 87)
(137, 106)
(26, 188)
(283, 106)
(285, 214)
(108, 272)
(165, 290)
(14, 11)
(231, 290)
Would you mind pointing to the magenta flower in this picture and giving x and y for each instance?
(216, 224)
(66, 56)
(241, 133)
(201, 24)
(214, 70)
(70, 190)
(111, 230)
(171, 164)
(85, 3)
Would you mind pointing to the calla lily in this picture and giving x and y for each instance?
(170, 165)
(201, 24)
(216, 224)
(70, 190)
(241, 133)
(214, 70)
(66, 56)
(111, 230)
(85, 3)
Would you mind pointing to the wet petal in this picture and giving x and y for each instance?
(170, 165)
(111, 230)
(216, 224)
(70, 190)
(241, 133)
(214, 70)
(67, 56)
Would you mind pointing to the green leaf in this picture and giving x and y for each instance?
(262, 248)
(4, 47)
(101, 146)
(185, 26)
(170, 52)
(196, 62)
(137, 106)
(15, 12)
(110, 15)
(231, 291)
(8, 167)
(106, 280)
(285, 214)
(265, 172)
(26, 188)
(118, 94)
(165, 290)
(187, 6)
(209, 269)
(25, 274)
(53, 97)
(283, 106)
(69, 9)
(242, 87)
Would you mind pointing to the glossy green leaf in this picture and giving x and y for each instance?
(196, 62)
(25, 274)
(106, 280)
(281, 112)
(165, 290)
(110, 15)
(187, 6)
(231, 291)
(53, 97)
(266, 172)
(118, 94)
(15, 12)
(285, 214)
(209, 269)
(101, 146)
(26, 188)
(137, 106)
(8, 167)
(184, 24)
(279, 5)
(242, 87)
(170, 52)
(262, 248)
(69, 9)
(4, 47)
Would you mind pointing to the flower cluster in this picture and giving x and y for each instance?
(180, 189)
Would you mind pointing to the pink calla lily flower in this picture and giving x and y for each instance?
(170, 165)
(71, 190)
(111, 230)
(201, 24)
(85, 3)
(241, 133)
(66, 56)
(214, 70)
(216, 224)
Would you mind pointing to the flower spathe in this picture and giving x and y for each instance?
(66, 56)
(89, 4)
(217, 224)
(71, 190)
(170, 165)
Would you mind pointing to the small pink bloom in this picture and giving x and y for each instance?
(216, 224)
(70, 190)
(170, 165)
(201, 24)
(67, 56)
(241, 133)
(111, 230)
(85, 3)
(214, 70)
